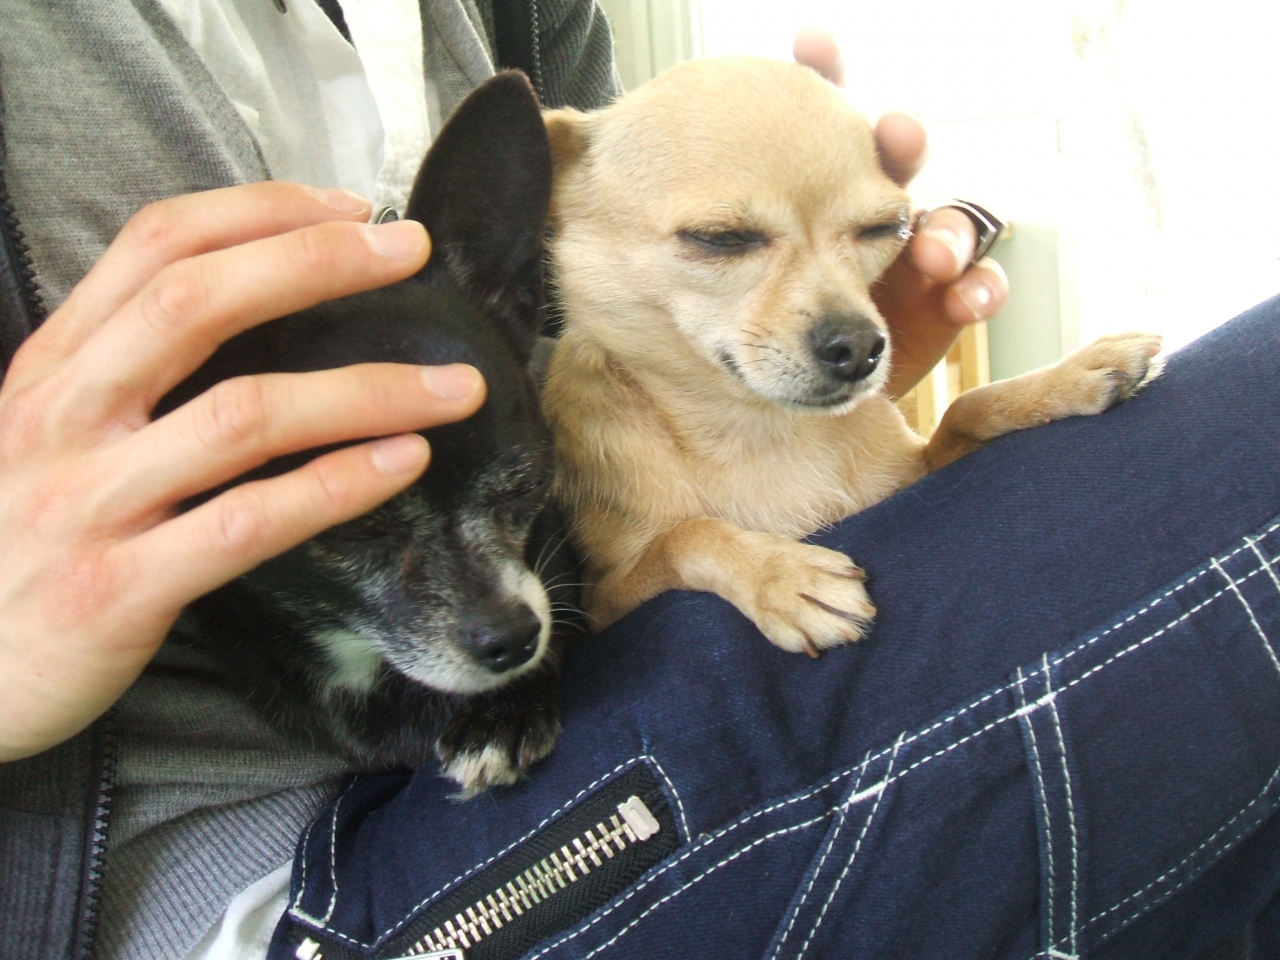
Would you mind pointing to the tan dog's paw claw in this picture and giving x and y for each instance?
(1110, 370)
(812, 599)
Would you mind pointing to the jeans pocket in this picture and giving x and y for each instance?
(924, 823)
(728, 887)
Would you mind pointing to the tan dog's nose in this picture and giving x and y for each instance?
(848, 347)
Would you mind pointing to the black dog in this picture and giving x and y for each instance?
(420, 628)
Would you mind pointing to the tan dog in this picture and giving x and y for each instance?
(717, 393)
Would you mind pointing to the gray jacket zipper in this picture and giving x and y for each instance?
(96, 841)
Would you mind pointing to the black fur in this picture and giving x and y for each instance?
(424, 572)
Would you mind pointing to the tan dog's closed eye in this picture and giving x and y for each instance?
(717, 392)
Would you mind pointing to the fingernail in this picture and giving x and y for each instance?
(344, 201)
(454, 382)
(976, 296)
(398, 240)
(951, 240)
(399, 454)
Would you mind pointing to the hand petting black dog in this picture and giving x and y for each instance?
(423, 629)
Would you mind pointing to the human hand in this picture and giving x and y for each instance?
(96, 562)
(932, 290)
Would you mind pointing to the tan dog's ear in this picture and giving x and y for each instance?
(567, 130)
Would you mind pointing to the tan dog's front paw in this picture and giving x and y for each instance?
(810, 598)
(1111, 369)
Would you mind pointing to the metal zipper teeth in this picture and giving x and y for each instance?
(632, 823)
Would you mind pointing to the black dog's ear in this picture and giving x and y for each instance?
(482, 194)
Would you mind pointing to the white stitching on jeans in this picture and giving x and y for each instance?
(1253, 545)
(831, 842)
(880, 787)
(1275, 776)
(296, 910)
(463, 876)
(674, 792)
(1266, 642)
(705, 873)
(1071, 807)
(701, 844)
(1005, 689)
(1044, 800)
(302, 887)
(866, 824)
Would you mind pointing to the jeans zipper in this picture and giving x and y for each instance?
(549, 883)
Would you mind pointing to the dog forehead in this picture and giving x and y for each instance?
(739, 126)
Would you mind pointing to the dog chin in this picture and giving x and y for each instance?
(456, 673)
(840, 402)
(833, 403)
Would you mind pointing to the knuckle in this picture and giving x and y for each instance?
(332, 486)
(242, 522)
(179, 293)
(234, 415)
(156, 225)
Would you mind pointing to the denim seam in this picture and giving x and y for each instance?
(323, 924)
(1042, 795)
(1208, 842)
(875, 790)
(879, 788)
(1269, 564)
(302, 886)
(1071, 809)
(1266, 641)
(992, 694)
(698, 879)
(831, 842)
(296, 910)
(674, 793)
(701, 844)
(866, 825)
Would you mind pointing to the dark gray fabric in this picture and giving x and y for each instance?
(574, 54)
(207, 798)
(46, 810)
(107, 109)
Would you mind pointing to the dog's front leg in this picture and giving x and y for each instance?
(1089, 381)
(493, 738)
(802, 597)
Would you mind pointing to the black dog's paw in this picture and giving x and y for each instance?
(492, 740)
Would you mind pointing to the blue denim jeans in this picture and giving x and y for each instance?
(1061, 739)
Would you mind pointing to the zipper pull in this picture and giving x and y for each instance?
(638, 818)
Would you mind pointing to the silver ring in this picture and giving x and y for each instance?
(987, 225)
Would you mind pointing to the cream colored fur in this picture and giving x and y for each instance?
(703, 226)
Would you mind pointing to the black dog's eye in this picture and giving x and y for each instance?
(898, 229)
(520, 499)
(724, 242)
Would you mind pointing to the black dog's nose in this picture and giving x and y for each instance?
(502, 642)
(848, 347)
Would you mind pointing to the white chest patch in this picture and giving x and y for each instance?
(354, 660)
